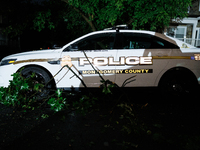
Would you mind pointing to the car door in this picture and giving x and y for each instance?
(97, 48)
(138, 66)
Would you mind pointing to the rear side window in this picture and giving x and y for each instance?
(144, 41)
(136, 41)
(158, 43)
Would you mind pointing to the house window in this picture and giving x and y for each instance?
(197, 40)
(178, 32)
(188, 9)
(199, 5)
(171, 31)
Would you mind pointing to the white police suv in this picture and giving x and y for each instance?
(155, 59)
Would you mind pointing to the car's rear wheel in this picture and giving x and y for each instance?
(178, 84)
(39, 77)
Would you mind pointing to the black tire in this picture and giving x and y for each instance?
(178, 84)
(42, 77)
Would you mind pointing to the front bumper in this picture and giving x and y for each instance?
(5, 74)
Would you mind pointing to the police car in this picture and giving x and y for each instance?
(154, 59)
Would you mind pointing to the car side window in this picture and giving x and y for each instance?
(97, 42)
(161, 43)
(145, 41)
(136, 41)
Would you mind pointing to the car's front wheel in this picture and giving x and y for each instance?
(40, 85)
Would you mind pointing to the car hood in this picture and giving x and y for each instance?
(40, 54)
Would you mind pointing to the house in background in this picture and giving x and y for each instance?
(188, 29)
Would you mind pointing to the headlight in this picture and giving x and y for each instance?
(7, 62)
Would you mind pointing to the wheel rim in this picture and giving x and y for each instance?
(178, 86)
(39, 79)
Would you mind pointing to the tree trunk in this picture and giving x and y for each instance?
(84, 17)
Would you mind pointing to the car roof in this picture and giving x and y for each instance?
(162, 36)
